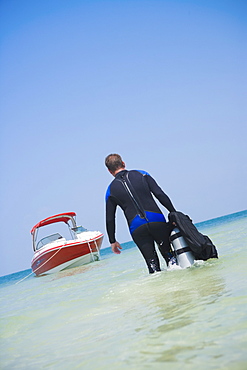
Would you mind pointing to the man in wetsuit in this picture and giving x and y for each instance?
(132, 191)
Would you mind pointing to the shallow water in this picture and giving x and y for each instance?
(112, 314)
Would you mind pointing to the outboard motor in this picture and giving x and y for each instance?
(183, 252)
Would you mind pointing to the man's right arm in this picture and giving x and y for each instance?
(110, 225)
(110, 217)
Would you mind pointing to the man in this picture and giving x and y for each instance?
(132, 191)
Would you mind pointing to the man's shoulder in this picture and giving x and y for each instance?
(108, 192)
(113, 186)
(142, 172)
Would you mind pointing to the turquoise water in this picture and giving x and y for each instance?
(113, 315)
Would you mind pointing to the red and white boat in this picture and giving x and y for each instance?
(54, 253)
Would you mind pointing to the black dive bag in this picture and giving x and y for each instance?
(200, 245)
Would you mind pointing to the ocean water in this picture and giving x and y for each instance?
(113, 315)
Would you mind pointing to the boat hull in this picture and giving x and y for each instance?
(64, 256)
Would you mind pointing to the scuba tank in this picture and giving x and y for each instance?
(183, 252)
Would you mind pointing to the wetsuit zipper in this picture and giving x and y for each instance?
(140, 211)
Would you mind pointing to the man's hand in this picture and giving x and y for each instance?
(116, 247)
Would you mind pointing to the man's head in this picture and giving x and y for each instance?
(114, 163)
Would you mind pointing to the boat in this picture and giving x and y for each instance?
(54, 252)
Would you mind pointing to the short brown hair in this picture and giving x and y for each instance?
(113, 162)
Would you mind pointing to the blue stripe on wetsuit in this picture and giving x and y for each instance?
(143, 172)
(108, 192)
(151, 217)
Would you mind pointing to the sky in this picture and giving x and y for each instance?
(161, 82)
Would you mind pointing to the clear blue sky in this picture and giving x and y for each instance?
(163, 83)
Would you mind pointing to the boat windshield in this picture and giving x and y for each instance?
(78, 229)
(48, 239)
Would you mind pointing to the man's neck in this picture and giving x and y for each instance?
(119, 170)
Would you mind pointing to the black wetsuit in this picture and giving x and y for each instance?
(132, 191)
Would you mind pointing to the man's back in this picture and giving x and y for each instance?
(133, 184)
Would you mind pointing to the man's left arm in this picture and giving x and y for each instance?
(159, 194)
